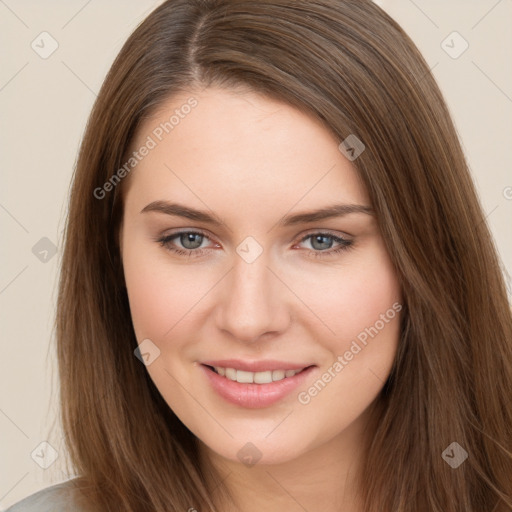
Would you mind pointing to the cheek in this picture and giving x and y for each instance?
(158, 297)
(366, 303)
(361, 305)
(352, 299)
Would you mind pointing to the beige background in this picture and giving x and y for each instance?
(44, 107)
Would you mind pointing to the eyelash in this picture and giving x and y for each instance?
(344, 244)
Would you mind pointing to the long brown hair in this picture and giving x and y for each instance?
(349, 64)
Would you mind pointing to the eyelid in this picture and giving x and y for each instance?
(175, 234)
(344, 243)
(179, 231)
(330, 232)
(300, 238)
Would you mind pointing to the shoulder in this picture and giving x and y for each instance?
(56, 498)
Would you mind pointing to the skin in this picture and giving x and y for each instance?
(252, 160)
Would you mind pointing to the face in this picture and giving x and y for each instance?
(253, 281)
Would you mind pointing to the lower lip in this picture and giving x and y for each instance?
(254, 396)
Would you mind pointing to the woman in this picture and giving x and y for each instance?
(278, 289)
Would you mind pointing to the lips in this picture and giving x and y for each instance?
(243, 376)
(256, 366)
(251, 394)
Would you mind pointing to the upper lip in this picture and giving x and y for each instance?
(256, 366)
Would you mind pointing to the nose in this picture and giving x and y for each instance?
(253, 301)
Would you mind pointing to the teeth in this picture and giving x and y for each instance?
(230, 374)
(244, 377)
(255, 377)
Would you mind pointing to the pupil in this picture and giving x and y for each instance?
(320, 238)
(188, 238)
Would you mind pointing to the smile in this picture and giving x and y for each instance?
(254, 389)
(245, 377)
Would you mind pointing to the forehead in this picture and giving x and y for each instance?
(234, 147)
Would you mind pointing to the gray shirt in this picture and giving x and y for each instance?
(56, 498)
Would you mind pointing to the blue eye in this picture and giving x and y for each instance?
(191, 241)
(319, 239)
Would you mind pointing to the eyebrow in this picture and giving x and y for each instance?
(337, 210)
